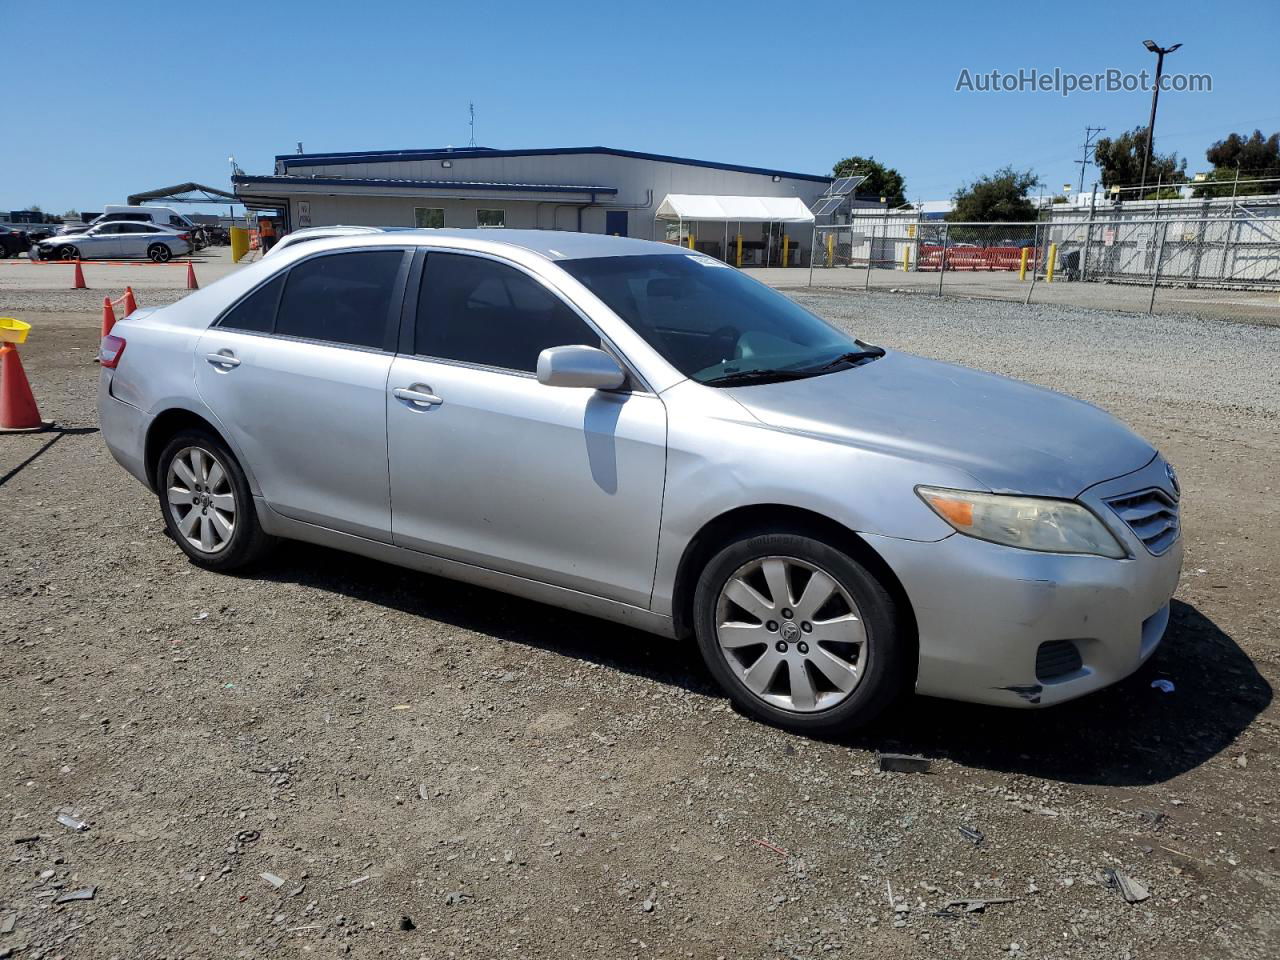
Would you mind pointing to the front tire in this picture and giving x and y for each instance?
(68, 252)
(798, 633)
(207, 506)
(159, 253)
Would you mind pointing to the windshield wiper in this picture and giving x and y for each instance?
(853, 356)
(744, 377)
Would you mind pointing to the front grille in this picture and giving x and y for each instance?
(1152, 515)
(1055, 659)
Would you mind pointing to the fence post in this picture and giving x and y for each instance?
(813, 249)
(871, 252)
(1084, 254)
(942, 267)
(1155, 274)
(1035, 264)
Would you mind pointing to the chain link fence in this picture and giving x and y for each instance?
(1213, 266)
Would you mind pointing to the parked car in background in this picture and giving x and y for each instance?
(13, 242)
(161, 216)
(648, 435)
(123, 240)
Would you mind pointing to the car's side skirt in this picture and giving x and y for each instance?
(281, 526)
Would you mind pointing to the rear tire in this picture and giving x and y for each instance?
(159, 253)
(815, 645)
(207, 506)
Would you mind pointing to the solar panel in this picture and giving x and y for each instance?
(845, 185)
(825, 205)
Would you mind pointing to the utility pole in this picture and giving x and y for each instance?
(1090, 134)
(1155, 99)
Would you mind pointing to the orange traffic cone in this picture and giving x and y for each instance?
(130, 304)
(79, 283)
(18, 410)
(191, 277)
(108, 316)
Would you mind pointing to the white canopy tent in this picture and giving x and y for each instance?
(694, 208)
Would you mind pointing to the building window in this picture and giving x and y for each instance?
(491, 218)
(428, 217)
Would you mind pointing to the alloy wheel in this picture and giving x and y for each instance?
(791, 633)
(201, 499)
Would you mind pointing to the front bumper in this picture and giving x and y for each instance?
(983, 610)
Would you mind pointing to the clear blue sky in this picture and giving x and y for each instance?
(140, 95)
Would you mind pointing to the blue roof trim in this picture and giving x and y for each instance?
(382, 156)
(470, 185)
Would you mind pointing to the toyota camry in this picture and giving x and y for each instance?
(646, 435)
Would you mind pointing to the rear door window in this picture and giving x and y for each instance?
(256, 312)
(342, 298)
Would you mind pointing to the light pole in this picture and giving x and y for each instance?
(1155, 98)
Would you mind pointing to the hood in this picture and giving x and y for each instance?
(1010, 436)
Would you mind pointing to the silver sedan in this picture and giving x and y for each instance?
(118, 240)
(649, 436)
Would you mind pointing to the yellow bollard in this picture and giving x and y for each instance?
(739, 260)
(239, 243)
(831, 249)
(691, 241)
(786, 249)
(1022, 263)
(1048, 270)
(906, 258)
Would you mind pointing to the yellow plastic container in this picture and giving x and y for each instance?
(13, 331)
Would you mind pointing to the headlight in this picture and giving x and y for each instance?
(1032, 523)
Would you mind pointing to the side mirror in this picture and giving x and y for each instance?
(579, 366)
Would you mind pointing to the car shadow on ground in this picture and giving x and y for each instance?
(1127, 735)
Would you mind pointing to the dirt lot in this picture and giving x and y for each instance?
(512, 780)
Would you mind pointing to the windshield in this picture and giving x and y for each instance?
(709, 321)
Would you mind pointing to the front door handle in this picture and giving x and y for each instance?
(225, 360)
(419, 395)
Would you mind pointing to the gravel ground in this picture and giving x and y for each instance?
(391, 749)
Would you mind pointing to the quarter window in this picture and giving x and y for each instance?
(491, 218)
(432, 217)
(341, 298)
(480, 311)
(256, 312)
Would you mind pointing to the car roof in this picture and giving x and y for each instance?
(552, 244)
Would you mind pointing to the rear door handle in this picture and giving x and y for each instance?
(226, 360)
(418, 394)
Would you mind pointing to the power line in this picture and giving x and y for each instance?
(1089, 134)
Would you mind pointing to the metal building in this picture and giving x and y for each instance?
(591, 189)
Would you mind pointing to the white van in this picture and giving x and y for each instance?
(161, 216)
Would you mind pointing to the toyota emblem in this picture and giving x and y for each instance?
(1173, 478)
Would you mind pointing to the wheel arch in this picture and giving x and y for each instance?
(163, 428)
(748, 520)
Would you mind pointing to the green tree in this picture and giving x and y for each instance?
(71, 215)
(881, 181)
(1120, 160)
(1255, 157)
(35, 208)
(1000, 196)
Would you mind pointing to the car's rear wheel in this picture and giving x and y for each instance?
(206, 502)
(799, 633)
(68, 252)
(159, 253)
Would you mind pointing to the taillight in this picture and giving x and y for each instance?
(186, 237)
(111, 350)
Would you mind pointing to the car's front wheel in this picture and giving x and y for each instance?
(206, 502)
(68, 252)
(159, 253)
(799, 633)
